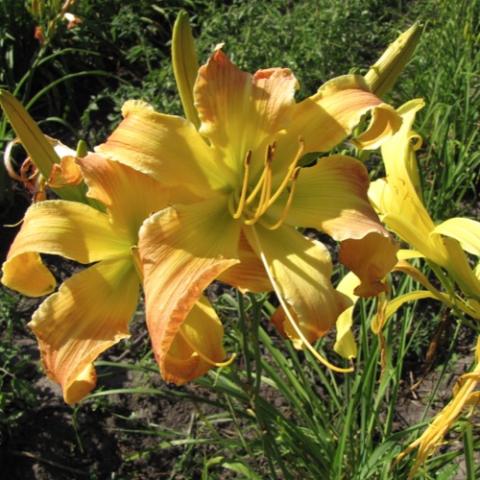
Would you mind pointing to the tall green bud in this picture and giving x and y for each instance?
(185, 64)
(382, 76)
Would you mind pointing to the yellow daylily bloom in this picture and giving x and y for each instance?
(398, 200)
(91, 310)
(243, 165)
(463, 396)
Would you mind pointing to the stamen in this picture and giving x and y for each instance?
(261, 180)
(13, 225)
(286, 208)
(265, 194)
(289, 315)
(291, 169)
(267, 184)
(204, 357)
(243, 194)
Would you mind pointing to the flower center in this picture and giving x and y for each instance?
(254, 202)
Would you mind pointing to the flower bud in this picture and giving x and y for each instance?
(185, 65)
(382, 76)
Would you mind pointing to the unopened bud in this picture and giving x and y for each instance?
(383, 75)
(185, 65)
(37, 146)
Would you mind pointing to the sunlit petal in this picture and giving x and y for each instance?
(329, 116)
(345, 344)
(197, 346)
(182, 249)
(465, 230)
(302, 270)
(238, 111)
(89, 313)
(166, 147)
(129, 195)
(72, 230)
(332, 196)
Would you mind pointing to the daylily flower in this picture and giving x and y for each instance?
(464, 396)
(398, 200)
(243, 165)
(91, 310)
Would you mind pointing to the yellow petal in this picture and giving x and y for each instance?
(26, 273)
(465, 230)
(398, 152)
(185, 64)
(433, 436)
(182, 249)
(129, 195)
(301, 269)
(329, 116)
(404, 214)
(370, 258)
(166, 147)
(197, 346)
(238, 111)
(407, 268)
(379, 321)
(89, 313)
(407, 254)
(345, 344)
(57, 227)
(332, 197)
(249, 275)
(34, 141)
(470, 307)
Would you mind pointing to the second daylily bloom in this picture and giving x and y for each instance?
(243, 167)
(91, 310)
(398, 200)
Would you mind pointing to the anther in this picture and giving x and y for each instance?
(290, 171)
(268, 160)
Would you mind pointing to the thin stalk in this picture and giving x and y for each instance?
(468, 447)
(243, 328)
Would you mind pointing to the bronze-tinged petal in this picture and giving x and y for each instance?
(182, 250)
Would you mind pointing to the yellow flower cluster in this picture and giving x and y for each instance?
(170, 204)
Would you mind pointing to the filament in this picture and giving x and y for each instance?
(289, 315)
(243, 194)
(291, 169)
(286, 208)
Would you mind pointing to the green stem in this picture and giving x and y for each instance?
(468, 444)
